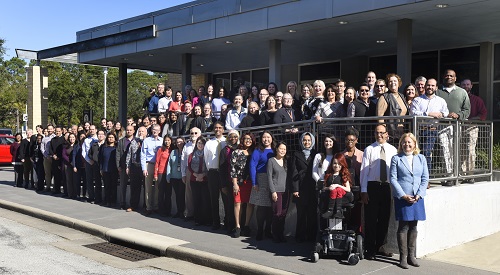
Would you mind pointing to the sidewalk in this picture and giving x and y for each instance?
(216, 249)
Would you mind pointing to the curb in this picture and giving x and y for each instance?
(223, 263)
(173, 251)
(90, 228)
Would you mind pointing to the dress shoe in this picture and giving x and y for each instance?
(148, 213)
(237, 232)
(186, 219)
(448, 183)
(469, 181)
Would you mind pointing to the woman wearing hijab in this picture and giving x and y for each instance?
(304, 188)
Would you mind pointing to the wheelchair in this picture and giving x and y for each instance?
(335, 237)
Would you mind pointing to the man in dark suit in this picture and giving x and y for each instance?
(55, 150)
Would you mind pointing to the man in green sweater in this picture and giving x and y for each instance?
(459, 106)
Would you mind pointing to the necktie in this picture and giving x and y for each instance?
(383, 165)
(218, 151)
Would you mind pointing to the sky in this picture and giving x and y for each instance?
(37, 25)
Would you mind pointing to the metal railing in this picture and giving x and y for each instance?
(455, 150)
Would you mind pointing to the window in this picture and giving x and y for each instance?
(464, 61)
(383, 65)
(328, 72)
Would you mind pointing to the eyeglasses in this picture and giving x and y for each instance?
(350, 140)
(380, 86)
(247, 139)
(364, 90)
(193, 133)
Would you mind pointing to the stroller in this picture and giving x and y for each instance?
(335, 236)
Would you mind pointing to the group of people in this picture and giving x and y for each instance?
(255, 174)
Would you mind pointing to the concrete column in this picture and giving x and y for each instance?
(186, 70)
(122, 93)
(37, 96)
(275, 62)
(486, 75)
(404, 50)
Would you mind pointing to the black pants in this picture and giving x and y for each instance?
(110, 189)
(164, 195)
(79, 179)
(57, 174)
(306, 218)
(40, 174)
(228, 200)
(201, 202)
(377, 214)
(136, 182)
(94, 182)
(19, 171)
(180, 192)
(214, 191)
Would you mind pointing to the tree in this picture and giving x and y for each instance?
(13, 90)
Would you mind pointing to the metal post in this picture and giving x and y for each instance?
(456, 149)
(105, 88)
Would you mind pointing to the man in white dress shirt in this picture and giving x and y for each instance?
(429, 104)
(211, 153)
(376, 192)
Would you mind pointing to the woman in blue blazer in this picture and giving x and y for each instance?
(409, 179)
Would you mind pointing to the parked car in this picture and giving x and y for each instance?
(6, 131)
(5, 142)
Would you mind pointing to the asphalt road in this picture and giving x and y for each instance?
(291, 256)
(31, 246)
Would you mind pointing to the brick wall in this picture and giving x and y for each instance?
(175, 81)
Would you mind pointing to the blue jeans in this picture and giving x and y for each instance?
(429, 137)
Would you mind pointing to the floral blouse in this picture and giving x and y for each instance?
(239, 165)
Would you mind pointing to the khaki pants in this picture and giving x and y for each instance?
(150, 190)
(47, 167)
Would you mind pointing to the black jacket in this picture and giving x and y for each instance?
(301, 174)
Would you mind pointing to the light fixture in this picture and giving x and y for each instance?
(380, 41)
(124, 59)
(193, 48)
(343, 22)
(229, 42)
(441, 6)
(201, 65)
(292, 31)
(150, 54)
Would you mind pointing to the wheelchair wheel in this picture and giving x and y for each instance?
(359, 247)
(353, 259)
(314, 257)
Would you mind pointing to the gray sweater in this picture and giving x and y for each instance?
(276, 175)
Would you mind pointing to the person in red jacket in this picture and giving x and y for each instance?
(164, 188)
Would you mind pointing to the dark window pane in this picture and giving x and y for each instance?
(497, 62)
(328, 72)
(383, 65)
(496, 101)
(464, 61)
(222, 80)
(239, 78)
(260, 78)
(424, 64)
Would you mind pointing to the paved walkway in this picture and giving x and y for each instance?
(478, 257)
